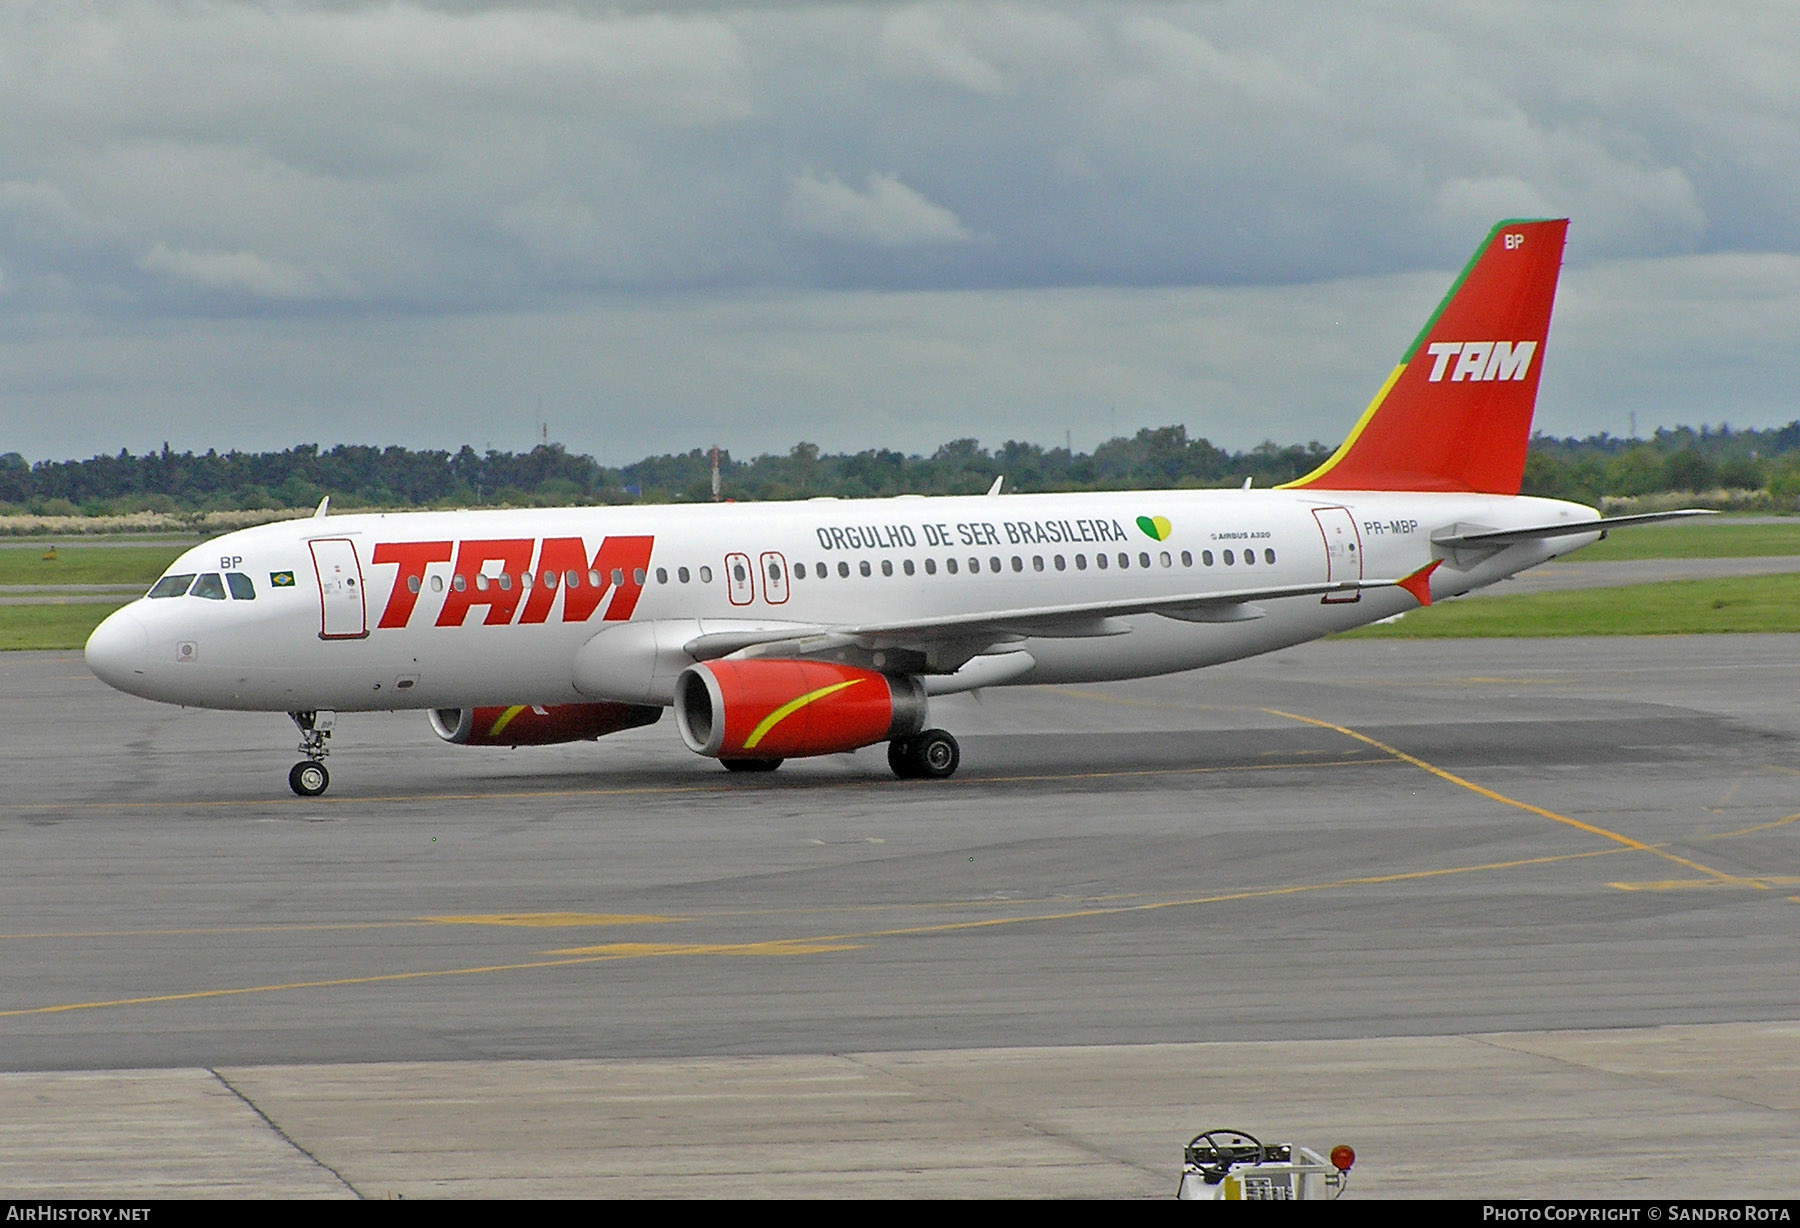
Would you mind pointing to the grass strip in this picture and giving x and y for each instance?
(1681, 607)
(1709, 538)
(51, 626)
(86, 564)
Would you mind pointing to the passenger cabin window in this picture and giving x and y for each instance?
(172, 586)
(244, 589)
(209, 586)
(706, 575)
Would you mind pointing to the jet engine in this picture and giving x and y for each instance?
(546, 725)
(760, 712)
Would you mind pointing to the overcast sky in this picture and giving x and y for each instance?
(657, 226)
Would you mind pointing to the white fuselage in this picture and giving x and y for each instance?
(332, 626)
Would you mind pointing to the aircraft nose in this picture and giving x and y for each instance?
(119, 649)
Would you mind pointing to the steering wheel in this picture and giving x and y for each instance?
(1215, 1151)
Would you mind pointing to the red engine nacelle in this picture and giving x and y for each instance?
(788, 709)
(538, 726)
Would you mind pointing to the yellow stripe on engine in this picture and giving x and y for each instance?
(506, 719)
(1331, 462)
(792, 706)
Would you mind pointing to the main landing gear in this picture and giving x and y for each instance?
(931, 755)
(309, 778)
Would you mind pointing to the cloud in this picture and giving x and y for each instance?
(1701, 338)
(315, 172)
(469, 156)
(917, 42)
(235, 271)
(885, 212)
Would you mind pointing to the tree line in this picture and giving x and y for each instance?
(1765, 463)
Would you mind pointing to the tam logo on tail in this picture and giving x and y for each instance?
(1455, 415)
(1481, 360)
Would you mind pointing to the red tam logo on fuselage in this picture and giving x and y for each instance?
(530, 572)
(1480, 360)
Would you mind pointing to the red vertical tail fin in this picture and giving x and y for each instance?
(1456, 413)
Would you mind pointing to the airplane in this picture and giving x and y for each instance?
(784, 630)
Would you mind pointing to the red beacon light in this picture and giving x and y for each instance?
(1342, 1157)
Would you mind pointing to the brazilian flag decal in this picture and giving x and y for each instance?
(281, 579)
(1156, 528)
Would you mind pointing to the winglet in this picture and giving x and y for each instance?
(1419, 583)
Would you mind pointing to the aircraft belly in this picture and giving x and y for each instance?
(1159, 645)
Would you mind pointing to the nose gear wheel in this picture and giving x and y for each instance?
(308, 778)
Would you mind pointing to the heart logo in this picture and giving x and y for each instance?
(1156, 528)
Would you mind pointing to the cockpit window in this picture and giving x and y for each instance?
(172, 586)
(240, 585)
(209, 586)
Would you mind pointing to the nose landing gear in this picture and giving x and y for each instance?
(309, 778)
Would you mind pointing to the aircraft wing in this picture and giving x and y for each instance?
(944, 642)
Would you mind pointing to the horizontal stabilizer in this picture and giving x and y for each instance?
(1565, 528)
